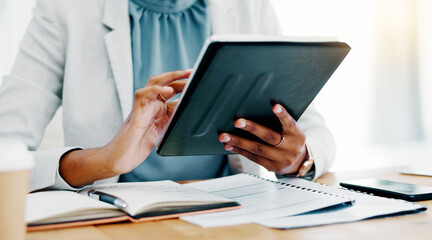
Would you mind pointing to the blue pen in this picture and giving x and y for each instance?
(108, 198)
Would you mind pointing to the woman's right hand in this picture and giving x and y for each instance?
(136, 138)
(139, 133)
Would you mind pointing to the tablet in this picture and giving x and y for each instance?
(244, 76)
(390, 189)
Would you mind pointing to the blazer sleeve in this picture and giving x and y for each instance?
(269, 22)
(320, 140)
(318, 136)
(32, 92)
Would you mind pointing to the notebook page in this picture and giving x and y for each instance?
(260, 199)
(365, 206)
(141, 195)
(61, 205)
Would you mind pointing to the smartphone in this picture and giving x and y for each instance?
(391, 189)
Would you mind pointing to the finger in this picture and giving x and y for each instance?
(152, 92)
(168, 77)
(170, 107)
(267, 135)
(292, 133)
(161, 98)
(178, 85)
(256, 148)
(265, 162)
(288, 122)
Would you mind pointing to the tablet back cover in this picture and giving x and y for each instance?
(245, 79)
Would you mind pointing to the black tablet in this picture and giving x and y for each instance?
(391, 189)
(244, 76)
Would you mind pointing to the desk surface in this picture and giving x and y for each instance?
(415, 226)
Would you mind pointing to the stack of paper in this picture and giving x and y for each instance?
(260, 199)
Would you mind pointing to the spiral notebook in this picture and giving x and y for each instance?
(366, 206)
(262, 199)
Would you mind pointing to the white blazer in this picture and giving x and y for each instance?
(77, 53)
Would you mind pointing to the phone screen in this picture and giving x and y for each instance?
(389, 188)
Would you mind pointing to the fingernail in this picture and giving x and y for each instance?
(226, 138)
(278, 109)
(229, 147)
(241, 124)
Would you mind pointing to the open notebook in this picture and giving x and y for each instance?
(145, 201)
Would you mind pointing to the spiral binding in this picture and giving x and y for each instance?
(303, 188)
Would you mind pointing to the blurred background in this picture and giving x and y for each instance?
(377, 103)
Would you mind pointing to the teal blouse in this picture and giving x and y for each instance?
(167, 35)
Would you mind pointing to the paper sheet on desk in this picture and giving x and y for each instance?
(260, 199)
(422, 168)
(365, 206)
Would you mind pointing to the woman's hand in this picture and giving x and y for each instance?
(284, 152)
(136, 138)
(139, 133)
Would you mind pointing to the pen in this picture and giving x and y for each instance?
(108, 198)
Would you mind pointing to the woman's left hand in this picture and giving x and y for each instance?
(284, 152)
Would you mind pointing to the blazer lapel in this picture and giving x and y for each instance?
(118, 45)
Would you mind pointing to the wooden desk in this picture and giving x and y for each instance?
(415, 226)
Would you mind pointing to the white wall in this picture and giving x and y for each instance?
(14, 17)
(425, 64)
(371, 103)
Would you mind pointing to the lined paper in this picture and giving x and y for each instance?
(260, 199)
